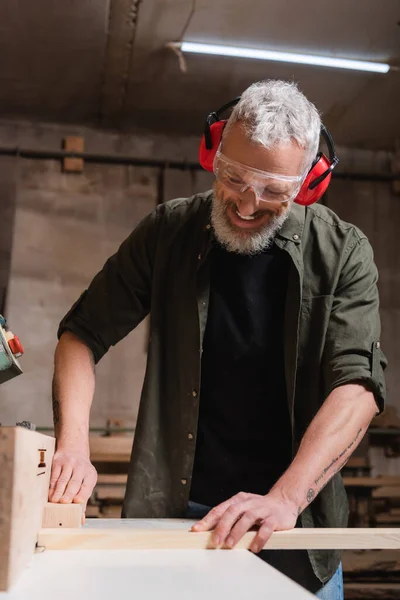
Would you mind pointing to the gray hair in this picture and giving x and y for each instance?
(274, 112)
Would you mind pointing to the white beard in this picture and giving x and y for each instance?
(245, 241)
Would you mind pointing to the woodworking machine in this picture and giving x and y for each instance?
(10, 350)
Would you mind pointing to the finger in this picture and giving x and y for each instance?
(212, 518)
(263, 535)
(242, 526)
(62, 483)
(73, 486)
(85, 491)
(55, 473)
(226, 522)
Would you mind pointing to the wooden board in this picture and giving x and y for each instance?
(62, 515)
(110, 492)
(25, 466)
(154, 537)
(368, 561)
(153, 575)
(110, 479)
(390, 491)
(110, 448)
(372, 591)
(371, 482)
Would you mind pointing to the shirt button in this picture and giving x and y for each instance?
(194, 394)
(199, 257)
(378, 345)
(190, 437)
(295, 236)
(183, 481)
(208, 226)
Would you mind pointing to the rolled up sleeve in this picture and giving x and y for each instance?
(352, 348)
(119, 296)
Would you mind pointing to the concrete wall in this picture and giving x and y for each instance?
(67, 225)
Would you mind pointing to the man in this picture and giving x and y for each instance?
(264, 367)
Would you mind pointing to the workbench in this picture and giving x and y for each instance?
(150, 574)
(46, 553)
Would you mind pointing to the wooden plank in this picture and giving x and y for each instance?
(371, 481)
(141, 539)
(372, 591)
(110, 449)
(110, 492)
(110, 479)
(387, 518)
(25, 466)
(111, 512)
(371, 561)
(92, 511)
(62, 515)
(390, 491)
(357, 462)
(73, 143)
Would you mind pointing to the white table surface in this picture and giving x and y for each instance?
(151, 574)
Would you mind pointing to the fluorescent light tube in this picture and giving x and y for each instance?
(305, 59)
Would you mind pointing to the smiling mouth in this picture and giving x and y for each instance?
(249, 218)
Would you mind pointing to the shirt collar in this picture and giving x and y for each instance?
(293, 227)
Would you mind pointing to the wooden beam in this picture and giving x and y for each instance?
(110, 479)
(371, 482)
(25, 466)
(110, 492)
(173, 539)
(62, 515)
(389, 491)
(110, 448)
(372, 590)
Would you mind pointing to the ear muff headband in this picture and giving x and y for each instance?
(317, 179)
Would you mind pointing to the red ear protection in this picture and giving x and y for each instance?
(318, 177)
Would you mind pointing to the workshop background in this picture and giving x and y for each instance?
(95, 77)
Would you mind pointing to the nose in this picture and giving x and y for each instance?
(249, 202)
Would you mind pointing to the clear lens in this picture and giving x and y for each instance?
(268, 187)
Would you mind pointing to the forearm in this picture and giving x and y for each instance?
(73, 390)
(328, 443)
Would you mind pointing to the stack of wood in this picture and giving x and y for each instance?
(371, 574)
(110, 455)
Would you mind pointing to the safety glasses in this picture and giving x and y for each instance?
(268, 187)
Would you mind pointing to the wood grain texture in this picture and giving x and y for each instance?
(23, 493)
(371, 482)
(174, 539)
(372, 591)
(62, 515)
(110, 479)
(371, 561)
(110, 492)
(110, 449)
(389, 491)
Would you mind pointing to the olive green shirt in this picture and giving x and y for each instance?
(331, 337)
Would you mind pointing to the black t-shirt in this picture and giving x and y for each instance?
(244, 433)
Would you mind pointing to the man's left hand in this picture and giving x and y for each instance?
(233, 518)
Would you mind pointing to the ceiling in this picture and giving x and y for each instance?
(104, 62)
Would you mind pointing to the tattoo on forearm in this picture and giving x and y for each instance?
(335, 460)
(310, 495)
(311, 492)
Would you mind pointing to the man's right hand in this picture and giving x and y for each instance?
(73, 477)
